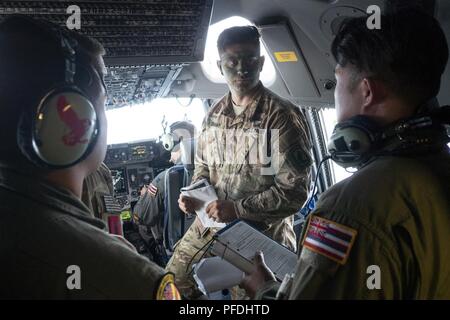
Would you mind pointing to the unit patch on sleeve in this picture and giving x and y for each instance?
(167, 289)
(329, 238)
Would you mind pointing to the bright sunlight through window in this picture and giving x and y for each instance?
(329, 120)
(209, 64)
(143, 121)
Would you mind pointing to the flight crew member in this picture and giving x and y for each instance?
(246, 187)
(98, 196)
(150, 208)
(53, 136)
(95, 186)
(382, 233)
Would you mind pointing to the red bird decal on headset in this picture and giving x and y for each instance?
(78, 127)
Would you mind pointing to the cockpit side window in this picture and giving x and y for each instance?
(328, 118)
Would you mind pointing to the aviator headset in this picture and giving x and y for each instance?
(356, 140)
(171, 140)
(352, 141)
(61, 128)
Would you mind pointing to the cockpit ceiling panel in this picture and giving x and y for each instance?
(147, 42)
(129, 85)
(138, 32)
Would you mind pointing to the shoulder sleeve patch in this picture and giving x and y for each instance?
(167, 289)
(329, 238)
(152, 189)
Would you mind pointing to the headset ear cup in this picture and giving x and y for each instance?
(63, 130)
(167, 141)
(352, 141)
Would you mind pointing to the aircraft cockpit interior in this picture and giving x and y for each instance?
(187, 82)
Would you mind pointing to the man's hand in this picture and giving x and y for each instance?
(221, 211)
(187, 204)
(260, 275)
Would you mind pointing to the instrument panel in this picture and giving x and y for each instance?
(127, 153)
(134, 165)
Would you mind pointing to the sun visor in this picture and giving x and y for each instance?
(289, 61)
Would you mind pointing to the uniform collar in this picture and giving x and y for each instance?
(43, 192)
(249, 111)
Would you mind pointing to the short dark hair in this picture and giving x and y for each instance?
(409, 53)
(31, 62)
(238, 35)
(31, 45)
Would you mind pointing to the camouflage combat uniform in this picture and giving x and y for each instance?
(267, 199)
(390, 221)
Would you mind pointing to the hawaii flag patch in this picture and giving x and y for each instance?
(330, 239)
(152, 190)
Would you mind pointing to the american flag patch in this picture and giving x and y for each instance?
(328, 238)
(152, 190)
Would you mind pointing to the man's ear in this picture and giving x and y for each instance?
(373, 92)
(261, 62)
(219, 65)
(366, 90)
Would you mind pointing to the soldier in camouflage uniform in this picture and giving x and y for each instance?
(383, 233)
(236, 130)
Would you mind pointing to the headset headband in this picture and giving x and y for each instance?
(65, 42)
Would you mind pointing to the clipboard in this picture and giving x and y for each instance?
(238, 242)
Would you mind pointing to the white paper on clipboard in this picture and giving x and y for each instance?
(239, 242)
(214, 274)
